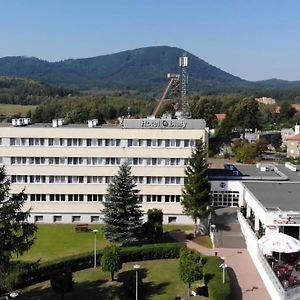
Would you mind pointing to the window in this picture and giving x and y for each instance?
(38, 218)
(95, 219)
(76, 219)
(172, 219)
(57, 219)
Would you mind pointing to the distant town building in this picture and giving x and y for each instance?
(220, 117)
(286, 133)
(269, 136)
(266, 100)
(294, 105)
(293, 144)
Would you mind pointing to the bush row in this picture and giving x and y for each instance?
(33, 273)
(213, 278)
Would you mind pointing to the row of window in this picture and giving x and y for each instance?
(77, 142)
(57, 219)
(97, 161)
(76, 218)
(161, 143)
(95, 198)
(225, 198)
(65, 142)
(92, 179)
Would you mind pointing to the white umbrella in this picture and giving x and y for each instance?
(279, 242)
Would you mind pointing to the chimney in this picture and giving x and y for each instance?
(57, 122)
(297, 129)
(92, 123)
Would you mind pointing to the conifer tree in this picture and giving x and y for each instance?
(122, 213)
(16, 234)
(196, 193)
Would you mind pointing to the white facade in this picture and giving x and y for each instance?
(65, 170)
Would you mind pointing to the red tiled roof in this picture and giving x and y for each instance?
(220, 117)
(295, 137)
(296, 106)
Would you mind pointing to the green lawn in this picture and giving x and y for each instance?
(12, 109)
(173, 227)
(161, 283)
(60, 240)
(203, 240)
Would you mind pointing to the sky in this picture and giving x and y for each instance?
(252, 39)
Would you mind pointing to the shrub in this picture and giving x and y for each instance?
(213, 276)
(62, 282)
(151, 251)
(153, 228)
(34, 273)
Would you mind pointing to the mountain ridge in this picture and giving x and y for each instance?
(142, 69)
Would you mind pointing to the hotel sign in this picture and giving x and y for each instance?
(164, 123)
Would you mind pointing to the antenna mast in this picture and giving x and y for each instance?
(183, 63)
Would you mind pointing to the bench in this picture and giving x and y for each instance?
(82, 228)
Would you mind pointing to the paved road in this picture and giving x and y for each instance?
(246, 281)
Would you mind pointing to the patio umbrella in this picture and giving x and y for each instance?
(279, 242)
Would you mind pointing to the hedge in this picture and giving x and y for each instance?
(213, 278)
(34, 273)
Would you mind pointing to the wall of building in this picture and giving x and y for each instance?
(34, 158)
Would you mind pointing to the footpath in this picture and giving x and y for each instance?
(246, 283)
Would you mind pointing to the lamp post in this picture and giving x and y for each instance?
(223, 266)
(136, 268)
(95, 247)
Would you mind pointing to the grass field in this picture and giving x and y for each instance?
(59, 240)
(161, 283)
(203, 240)
(12, 109)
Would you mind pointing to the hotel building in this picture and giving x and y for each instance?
(64, 170)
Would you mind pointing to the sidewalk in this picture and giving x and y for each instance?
(246, 281)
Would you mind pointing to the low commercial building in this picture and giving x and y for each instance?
(64, 170)
(267, 194)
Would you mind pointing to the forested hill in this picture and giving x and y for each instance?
(28, 91)
(142, 69)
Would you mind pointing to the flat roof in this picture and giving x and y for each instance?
(49, 125)
(246, 172)
(282, 195)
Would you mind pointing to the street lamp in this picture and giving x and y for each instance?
(223, 266)
(136, 268)
(95, 247)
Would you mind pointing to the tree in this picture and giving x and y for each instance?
(205, 108)
(190, 267)
(286, 112)
(246, 115)
(111, 260)
(62, 282)
(122, 213)
(16, 234)
(153, 228)
(196, 193)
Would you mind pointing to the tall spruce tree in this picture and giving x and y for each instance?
(16, 234)
(196, 193)
(122, 213)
